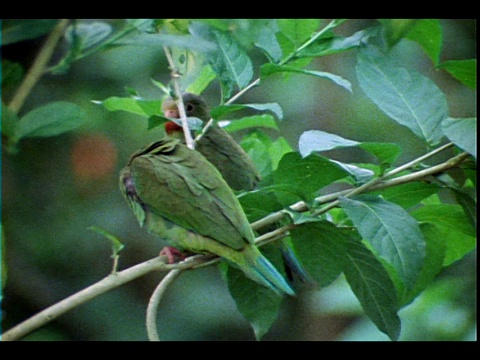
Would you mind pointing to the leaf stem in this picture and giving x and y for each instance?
(329, 26)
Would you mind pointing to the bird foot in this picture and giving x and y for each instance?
(173, 254)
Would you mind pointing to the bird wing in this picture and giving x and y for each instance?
(182, 186)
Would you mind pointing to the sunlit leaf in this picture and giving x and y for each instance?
(463, 70)
(454, 227)
(428, 34)
(206, 76)
(298, 30)
(137, 106)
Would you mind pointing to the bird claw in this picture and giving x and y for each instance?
(172, 254)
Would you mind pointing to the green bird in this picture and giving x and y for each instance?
(216, 145)
(230, 159)
(177, 194)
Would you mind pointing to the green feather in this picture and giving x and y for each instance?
(176, 193)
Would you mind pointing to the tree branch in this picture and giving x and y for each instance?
(160, 263)
(155, 301)
(181, 108)
(38, 67)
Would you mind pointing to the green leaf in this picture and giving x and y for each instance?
(321, 248)
(434, 257)
(259, 203)
(206, 76)
(396, 29)
(264, 152)
(49, 120)
(391, 231)
(298, 178)
(298, 30)
(89, 34)
(454, 227)
(258, 304)
(117, 245)
(229, 61)
(266, 121)
(318, 141)
(373, 287)
(359, 174)
(333, 44)
(462, 132)
(428, 34)
(269, 69)
(463, 70)
(386, 153)
(24, 29)
(221, 110)
(12, 73)
(410, 194)
(299, 218)
(469, 206)
(406, 96)
(267, 41)
(257, 145)
(137, 106)
(189, 42)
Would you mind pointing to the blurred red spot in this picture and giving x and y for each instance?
(93, 157)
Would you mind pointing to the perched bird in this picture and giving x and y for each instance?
(177, 194)
(216, 144)
(230, 159)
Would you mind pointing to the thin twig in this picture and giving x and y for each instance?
(110, 282)
(388, 174)
(38, 67)
(155, 301)
(181, 108)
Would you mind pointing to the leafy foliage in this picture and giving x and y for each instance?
(390, 244)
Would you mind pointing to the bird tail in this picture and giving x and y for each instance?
(293, 266)
(258, 268)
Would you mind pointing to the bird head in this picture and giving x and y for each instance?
(194, 105)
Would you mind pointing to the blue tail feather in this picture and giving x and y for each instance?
(271, 277)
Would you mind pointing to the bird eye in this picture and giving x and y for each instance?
(189, 107)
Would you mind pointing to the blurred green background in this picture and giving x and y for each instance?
(54, 188)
